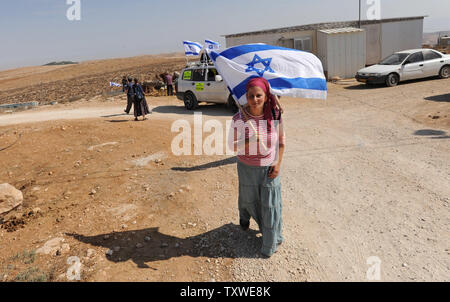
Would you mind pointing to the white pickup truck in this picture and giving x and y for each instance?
(200, 82)
(406, 65)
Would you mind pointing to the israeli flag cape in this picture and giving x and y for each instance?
(289, 72)
(192, 48)
(211, 45)
(114, 84)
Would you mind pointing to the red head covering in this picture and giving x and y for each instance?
(270, 103)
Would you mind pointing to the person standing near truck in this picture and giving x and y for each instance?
(124, 83)
(130, 95)
(169, 82)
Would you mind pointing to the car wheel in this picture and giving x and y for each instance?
(392, 80)
(190, 101)
(232, 104)
(444, 73)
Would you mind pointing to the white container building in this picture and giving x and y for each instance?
(342, 51)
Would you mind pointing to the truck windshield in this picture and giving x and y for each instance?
(395, 59)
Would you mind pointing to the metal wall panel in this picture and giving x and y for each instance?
(373, 43)
(397, 36)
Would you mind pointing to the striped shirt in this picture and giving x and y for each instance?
(262, 154)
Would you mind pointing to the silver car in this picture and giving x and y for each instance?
(406, 65)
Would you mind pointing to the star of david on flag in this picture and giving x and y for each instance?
(192, 48)
(290, 72)
(211, 45)
(258, 60)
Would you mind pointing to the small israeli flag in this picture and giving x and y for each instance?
(111, 84)
(289, 72)
(192, 48)
(211, 45)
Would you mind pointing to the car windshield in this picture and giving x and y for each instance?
(395, 59)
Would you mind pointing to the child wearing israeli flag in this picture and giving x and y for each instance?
(260, 152)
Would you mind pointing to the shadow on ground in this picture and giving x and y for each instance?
(377, 86)
(223, 242)
(436, 134)
(439, 98)
(215, 164)
(207, 109)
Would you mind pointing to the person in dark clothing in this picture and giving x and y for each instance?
(140, 103)
(124, 83)
(130, 95)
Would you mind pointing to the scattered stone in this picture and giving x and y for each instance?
(53, 247)
(172, 194)
(139, 245)
(90, 253)
(186, 187)
(37, 210)
(93, 192)
(10, 198)
(164, 245)
(404, 265)
(147, 238)
(109, 252)
(116, 248)
(106, 237)
(123, 226)
(177, 245)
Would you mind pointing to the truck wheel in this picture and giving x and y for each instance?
(232, 104)
(444, 73)
(392, 80)
(190, 101)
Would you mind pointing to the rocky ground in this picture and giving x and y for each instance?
(71, 83)
(365, 174)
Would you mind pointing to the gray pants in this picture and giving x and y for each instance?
(260, 198)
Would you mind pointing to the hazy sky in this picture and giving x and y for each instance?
(35, 32)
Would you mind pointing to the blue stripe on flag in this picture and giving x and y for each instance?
(192, 53)
(192, 43)
(237, 51)
(284, 83)
(211, 42)
(213, 55)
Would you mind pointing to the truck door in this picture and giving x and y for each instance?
(198, 84)
(215, 92)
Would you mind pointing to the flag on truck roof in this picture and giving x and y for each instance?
(290, 72)
(211, 45)
(192, 48)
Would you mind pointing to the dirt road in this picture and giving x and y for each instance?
(366, 174)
